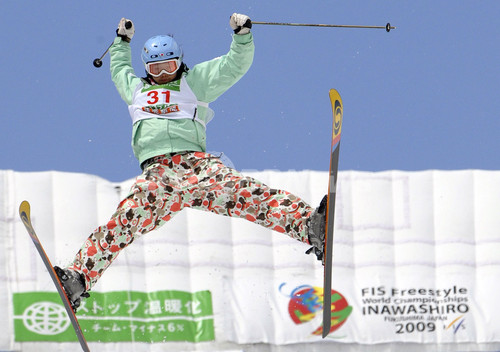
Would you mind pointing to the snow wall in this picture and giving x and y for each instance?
(416, 261)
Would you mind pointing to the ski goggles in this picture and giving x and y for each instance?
(157, 68)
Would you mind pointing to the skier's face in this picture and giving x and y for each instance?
(164, 78)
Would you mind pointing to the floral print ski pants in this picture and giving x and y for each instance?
(196, 180)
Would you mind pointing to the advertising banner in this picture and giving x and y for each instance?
(117, 317)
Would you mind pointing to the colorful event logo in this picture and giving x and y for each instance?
(307, 301)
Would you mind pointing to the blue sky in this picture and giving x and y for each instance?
(424, 96)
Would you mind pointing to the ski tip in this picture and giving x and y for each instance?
(338, 112)
(24, 208)
(334, 95)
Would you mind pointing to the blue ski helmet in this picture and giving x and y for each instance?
(159, 48)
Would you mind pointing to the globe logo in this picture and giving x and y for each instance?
(46, 318)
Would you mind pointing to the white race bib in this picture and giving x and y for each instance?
(173, 100)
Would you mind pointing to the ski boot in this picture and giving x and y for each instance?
(73, 284)
(316, 225)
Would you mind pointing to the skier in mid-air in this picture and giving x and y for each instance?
(170, 113)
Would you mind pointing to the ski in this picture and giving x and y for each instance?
(24, 213)
(337, 108)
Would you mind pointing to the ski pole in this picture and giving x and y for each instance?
(98, 62)
(387, 27)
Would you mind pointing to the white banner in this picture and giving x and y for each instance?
(416, 260)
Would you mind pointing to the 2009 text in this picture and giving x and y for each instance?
(410, 328)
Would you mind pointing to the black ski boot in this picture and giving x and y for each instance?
(316, 225)
(74, 286)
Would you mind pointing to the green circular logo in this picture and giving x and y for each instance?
(46, 318)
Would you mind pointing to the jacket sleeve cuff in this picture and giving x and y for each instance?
(118, 40)
(243, 38)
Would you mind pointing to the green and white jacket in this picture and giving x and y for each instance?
(172, 117)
